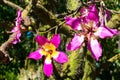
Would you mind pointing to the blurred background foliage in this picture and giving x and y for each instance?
(21, 68)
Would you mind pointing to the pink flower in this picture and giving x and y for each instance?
(48, 49)
(90, 31)
(17, 28)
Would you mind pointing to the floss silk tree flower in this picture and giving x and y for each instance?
(90, 30)
(48, 49)
(16, 29)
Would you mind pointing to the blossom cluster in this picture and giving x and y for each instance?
(91, 25)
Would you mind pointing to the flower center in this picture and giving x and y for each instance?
(89, 27)
(48, 49)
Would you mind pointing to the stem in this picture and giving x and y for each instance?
(89, 69)
(57, 75)
(117, 56)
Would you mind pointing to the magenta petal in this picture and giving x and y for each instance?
(73, 22)
(35, 55)
(19, 13)
(83, 11)
(92, 8)
(48, 69)
(61, 58)
(95, 48)
(18, 34)
(108, 14)
(19, 18)
(93, 13)
(15, 29)
(16, 41)
(41, 40)
(17, 38)
(76, 42)
(55, 40)
(104, 32)
(92, 16)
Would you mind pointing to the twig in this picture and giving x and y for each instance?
(12, 5)
(114, 11)
(53, 27)
(117, 56)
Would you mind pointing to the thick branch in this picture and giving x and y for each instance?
(27, 19)
(48, 18)
(4, 57)
(8, 42)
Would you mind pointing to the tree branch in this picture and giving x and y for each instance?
(8, 42)
(12, 5)
(4, 56)
(25, 12)
(48, 18)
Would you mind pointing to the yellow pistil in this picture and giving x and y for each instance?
(49, 47)
(49, 50)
